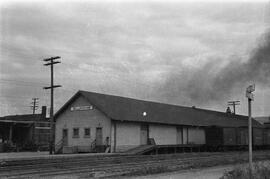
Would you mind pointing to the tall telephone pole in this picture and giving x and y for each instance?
(233, 103)
(35, 104)
(51, 62)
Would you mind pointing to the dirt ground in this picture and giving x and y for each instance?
(205, 173)
(36, 155)
(18, 155)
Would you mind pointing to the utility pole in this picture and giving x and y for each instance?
(52, 124)
(233, 103)
(250, 97)
(35, 104)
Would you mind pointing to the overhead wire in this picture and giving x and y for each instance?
(69, 90)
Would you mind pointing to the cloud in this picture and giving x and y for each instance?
(170, 52)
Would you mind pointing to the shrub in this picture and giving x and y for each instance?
(261, 170)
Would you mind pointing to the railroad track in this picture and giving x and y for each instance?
(110, 165)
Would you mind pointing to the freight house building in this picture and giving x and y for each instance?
(90, 119)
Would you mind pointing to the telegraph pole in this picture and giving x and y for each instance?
(35, 104)
(250, 97)
(51, 62)
(233, 103)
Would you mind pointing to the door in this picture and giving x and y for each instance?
(99, 136)
(144, 134)
(179, 137)
(185, 135)
(65, 137)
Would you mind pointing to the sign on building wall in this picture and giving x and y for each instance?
(81, 108)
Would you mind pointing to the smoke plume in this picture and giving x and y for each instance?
(206, 84)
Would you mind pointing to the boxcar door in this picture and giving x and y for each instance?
(144, 134)
(99, 136)
(65, 137)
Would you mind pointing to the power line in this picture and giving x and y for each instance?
(15, 97)
(2, 82)
(16, 82)
(19, 81)
(14, 105)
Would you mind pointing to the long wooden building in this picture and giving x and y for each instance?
(89, 120)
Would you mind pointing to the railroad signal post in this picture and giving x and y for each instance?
(52, 124)
(250, 96)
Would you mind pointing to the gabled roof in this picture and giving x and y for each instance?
(127, 109)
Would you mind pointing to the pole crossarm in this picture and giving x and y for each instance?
(51, 63)
(52, 58)
(233, 103)
(54, 86)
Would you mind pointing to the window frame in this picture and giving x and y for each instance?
(73, 132)
(87, 136)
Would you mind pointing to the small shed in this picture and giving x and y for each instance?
(25, 132)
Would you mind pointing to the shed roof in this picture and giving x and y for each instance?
(24, 118)
(127, 109)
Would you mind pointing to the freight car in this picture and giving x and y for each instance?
(220, 138)
(235, 138)
(257, 137)
(266, 138)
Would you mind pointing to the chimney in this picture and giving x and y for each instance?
(228, 110)
(43, 112)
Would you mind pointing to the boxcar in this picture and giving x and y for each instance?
(257, 137)
(229, 136)
(218, 138)
(266, 137)
(213, 136)
(236, 138)
(242, 136)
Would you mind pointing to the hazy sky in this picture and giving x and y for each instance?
(201, 54)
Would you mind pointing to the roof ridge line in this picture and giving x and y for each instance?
(157, 102)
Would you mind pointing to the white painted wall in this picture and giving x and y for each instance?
(81, 119)
(163, 134)
(127, 135)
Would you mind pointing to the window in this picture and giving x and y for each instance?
(76, 133)
(86, 132)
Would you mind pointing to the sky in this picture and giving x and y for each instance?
(197, 53)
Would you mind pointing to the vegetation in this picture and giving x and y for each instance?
(261, 170)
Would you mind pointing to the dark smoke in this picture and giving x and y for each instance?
(204, 85)
(256, 69)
